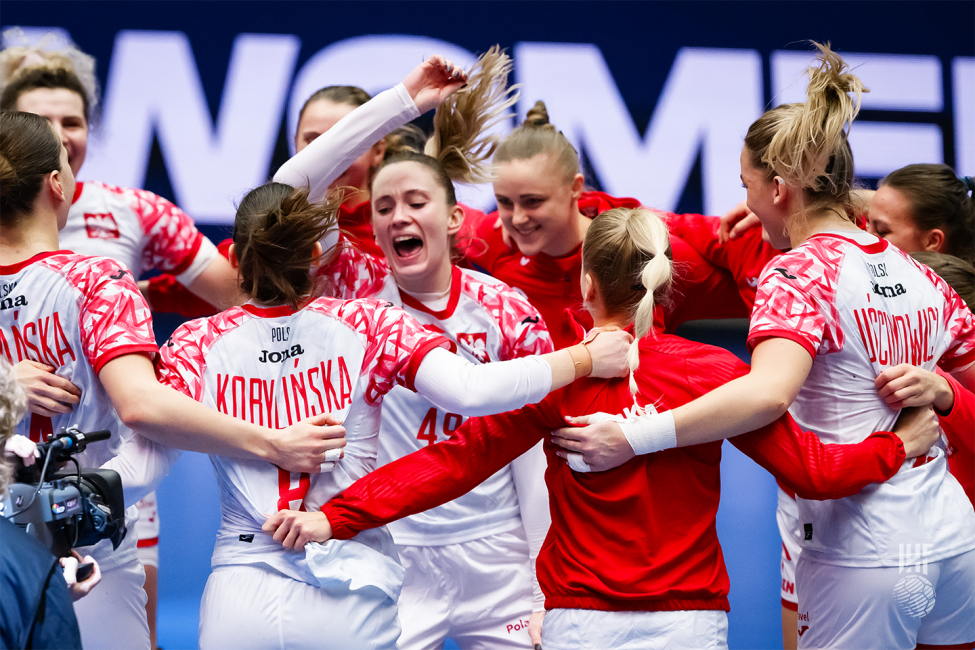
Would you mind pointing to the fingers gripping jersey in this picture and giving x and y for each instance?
(859, 305)
(138, 228)
(74, 313)
(276, 366)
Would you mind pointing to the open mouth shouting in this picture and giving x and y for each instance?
(407, 247)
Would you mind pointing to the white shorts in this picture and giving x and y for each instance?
(588, 629)
(887, 607)
(478, 593)
(249, 607)
(113, 614)
(787, 517)
(147, 531)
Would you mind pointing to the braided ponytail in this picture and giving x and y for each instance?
(627, 252)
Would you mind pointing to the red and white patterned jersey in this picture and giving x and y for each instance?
(859, 306)
(138, 228)
(276, 366)
(488, 321)
(74, 313)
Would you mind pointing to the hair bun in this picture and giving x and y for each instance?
(969, 182)
(538, 115)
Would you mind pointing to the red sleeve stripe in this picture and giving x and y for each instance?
(779, 333)
(145, 543)
(421, 352)
(141, 348)
(190, 255)
(963, 361)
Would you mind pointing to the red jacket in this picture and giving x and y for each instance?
(641, 536)
(959, 426)
(700, 289)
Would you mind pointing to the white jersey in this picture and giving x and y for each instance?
(138, 228)
(276, 366)
(489, 322)
(75, 313)
(859, 306)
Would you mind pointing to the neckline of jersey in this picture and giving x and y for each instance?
(878, 246)
(10, 269)
(276, 311)
(78, 189)
(456, 279)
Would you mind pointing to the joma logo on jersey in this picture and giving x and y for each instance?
(475, 344)
(283, 355)
(889, 292)
(101, 225)
(11, 302)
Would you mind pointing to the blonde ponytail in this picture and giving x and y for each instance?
(460, 141)
(806, 144)
(627, 253)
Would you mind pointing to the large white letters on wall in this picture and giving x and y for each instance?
(709, 99)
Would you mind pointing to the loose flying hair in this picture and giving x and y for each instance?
(460, 147)
(627, 252)
(24, 68)
(537, 136)
(29, 151)
(13, 405)
(958, 273)
(939, 199)
(806, 144)
(275, 232)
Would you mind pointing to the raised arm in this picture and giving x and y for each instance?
(321, 162)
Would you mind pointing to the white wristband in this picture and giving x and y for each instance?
(576, 464)
(650, 433)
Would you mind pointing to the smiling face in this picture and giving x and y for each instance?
(414, 225)
(319, 117)
(65, 111)
(537, 205)
(762, 198)
(890, 218)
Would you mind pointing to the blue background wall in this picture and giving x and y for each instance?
(639, 42)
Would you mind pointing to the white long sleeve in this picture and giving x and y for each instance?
(330, 154)
(459, 386)
(142, 463)
(528, 474)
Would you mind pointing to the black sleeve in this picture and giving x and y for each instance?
(55, 625)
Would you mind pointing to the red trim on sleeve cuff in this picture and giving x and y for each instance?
(190, 256)
(779, 333)
(421, 352)
(963, 361)
(145, 543)
(136, 348)
(790, 605)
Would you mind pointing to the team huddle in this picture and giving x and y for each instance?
(427, 422)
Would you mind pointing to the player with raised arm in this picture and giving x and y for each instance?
(85, 317)
(469, 570)
(284, 355)
(832, 314)
(632, 558)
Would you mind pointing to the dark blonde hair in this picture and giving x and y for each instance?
(958, 273)
(275, 232)
(29, 151)
(26, 67)
(939, 199)
(627, 252)
(806, 144)
(535, 136)
(13, 405)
